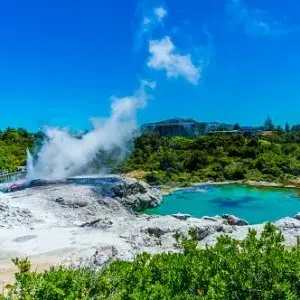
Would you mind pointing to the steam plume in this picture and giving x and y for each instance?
(63, 155)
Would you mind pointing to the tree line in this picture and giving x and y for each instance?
(217, 157)
(183, 160)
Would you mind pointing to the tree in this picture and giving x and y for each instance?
(168, 160)
(287, 127)
(269, 125)
(296, 128)
(195, 160)
(236, 126)
(279, 129)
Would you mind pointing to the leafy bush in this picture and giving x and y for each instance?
(235, 172)
(255, 268)
(156, 178)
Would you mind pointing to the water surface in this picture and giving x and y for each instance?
(256, 205)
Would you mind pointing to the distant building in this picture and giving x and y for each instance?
(250, 130)
(215, 126)
(268, 133)
(224, 132)
(192, 128)
(175, 127)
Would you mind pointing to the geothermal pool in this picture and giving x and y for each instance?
(256, 205)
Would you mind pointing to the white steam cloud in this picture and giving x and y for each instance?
(63, 155)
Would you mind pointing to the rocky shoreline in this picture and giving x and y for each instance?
(165, 190)
(85, 224)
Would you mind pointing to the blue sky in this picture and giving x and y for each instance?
(223, 60)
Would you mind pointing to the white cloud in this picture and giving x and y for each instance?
(254, 21)
(160, 13)
(165, 57)
(151, 18)
(146, 21)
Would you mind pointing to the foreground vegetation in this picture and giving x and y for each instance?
(256, 268)
(217, 157)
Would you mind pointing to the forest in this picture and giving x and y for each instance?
(218, 157)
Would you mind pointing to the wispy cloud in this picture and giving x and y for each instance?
(160, 13)
(150, 19)
(255, 21)
(164, 56)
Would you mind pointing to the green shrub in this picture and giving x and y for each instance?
(156, 178)
(235, 172)
(255, 268)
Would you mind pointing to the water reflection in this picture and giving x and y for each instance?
(231, 202)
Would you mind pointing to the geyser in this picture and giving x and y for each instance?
(63, 155)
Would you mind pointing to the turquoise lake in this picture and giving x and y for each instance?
(256, 205)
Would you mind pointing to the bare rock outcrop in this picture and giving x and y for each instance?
(233, 220)
(14, 216)
(182, 217)
(136, 195)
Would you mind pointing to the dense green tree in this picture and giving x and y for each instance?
(269, 125)
(236, 126)
(296, 128)
(279, 129)
(195, 160)
(287, 127)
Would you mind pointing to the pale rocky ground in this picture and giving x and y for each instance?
(86, 225)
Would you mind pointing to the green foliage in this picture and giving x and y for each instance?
(55, 284)
(235, 172)
(258, 267)
(181, 160)
(13, 145)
